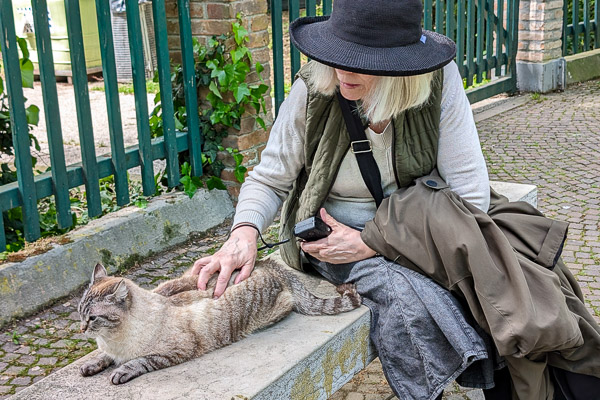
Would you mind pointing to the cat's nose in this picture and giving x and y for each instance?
(83, 327)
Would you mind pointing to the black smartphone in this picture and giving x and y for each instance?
(311, 229)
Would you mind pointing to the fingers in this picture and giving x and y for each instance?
(244, 273)
(198, 265)
(205, 274)
(222, 281)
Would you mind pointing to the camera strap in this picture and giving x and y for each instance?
(361, 147)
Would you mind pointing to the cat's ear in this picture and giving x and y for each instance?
(99, 272)
(121, 291)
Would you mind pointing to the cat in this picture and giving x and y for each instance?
(142, 331)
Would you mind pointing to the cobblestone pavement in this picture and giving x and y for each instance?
(553, 142)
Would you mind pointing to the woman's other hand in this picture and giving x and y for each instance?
(343, 245)
(238, 252)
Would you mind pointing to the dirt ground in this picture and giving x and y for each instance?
(69, 125)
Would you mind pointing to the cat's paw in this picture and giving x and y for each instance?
(122, 375)
(349, 290)
(91, 368)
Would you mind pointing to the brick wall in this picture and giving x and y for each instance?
(540, 30)
(214, 17)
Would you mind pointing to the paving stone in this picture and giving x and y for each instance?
(21, 381)
(4, 389)
(13, 371)
(45, 351)
(47, 361)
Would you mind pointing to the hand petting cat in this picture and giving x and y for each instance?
(238, 252)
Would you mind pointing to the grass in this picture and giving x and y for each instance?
(127, 88)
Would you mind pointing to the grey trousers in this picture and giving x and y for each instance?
(419, 329)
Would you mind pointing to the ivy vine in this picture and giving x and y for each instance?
(221, 74)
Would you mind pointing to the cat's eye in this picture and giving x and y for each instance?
(92, 317)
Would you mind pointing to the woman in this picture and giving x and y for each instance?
(418, 118)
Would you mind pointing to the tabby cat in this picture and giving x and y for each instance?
(143, 330)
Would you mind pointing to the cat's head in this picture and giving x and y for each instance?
(104, 304)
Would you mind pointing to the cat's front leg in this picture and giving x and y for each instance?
(97, 364)
(139, 366)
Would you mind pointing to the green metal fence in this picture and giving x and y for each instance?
(581, 30)
(485, 32)
(29, 188)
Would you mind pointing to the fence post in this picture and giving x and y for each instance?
(214, 17)
(540, 67)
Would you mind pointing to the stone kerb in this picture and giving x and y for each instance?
(214, 17)
(539, 65)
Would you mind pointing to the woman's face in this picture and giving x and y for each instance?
(354, 86)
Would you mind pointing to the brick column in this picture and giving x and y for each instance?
(214, 17)
(539, 64)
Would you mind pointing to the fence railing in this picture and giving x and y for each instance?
(581, 28)
(485, 32)
(29, 188)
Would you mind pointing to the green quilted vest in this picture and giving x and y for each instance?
(327, 142)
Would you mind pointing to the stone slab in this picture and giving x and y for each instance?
(516, 191)
(583, 66)
(298, 358)
(117, 239)
(540, 77)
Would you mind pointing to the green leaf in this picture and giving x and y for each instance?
(213, 88)
(1, 86)
(240, 173)
(259, 68)
(188, 186)
(33, 114)
(240, 92)
(185, 168)
(178, 125)
(27, 73)
(240, 33)
(23, 46)
(261, 122)
(141, 203)
(215, 183)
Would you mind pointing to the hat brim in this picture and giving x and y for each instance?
(313, 37)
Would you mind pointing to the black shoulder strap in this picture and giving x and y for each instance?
(360, 146)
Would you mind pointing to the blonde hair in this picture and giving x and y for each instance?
(387, 98)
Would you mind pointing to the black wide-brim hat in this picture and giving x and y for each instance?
(374, 37)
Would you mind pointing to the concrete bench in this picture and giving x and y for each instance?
(298, 358)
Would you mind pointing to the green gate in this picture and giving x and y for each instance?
(581, 27)
(485, 32)
(29, 188)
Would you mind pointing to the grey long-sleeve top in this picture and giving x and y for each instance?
(460, 161)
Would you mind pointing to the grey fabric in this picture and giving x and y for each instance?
(419, 329)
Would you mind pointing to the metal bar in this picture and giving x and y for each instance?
(586, 25)
(111, 91)
(294, 11)
(504, 84)
(450, 19)
(565, 33)
(480, 35)
(2, 235)
(278, 76)
(439, 16)
(470, 42)
(190, 88)
(138, 70)
(82, 101)
(597, 25)
(489, 35)
(18, 120)
(427, 6)
(576, 28)
(166, 91)
(460, 38)
(9, 193)
(326, 7)
(514, 40)
(311, 8)
(39, 10)
(499, 37)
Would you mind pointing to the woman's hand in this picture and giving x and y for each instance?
(239, 251)
(343, 245)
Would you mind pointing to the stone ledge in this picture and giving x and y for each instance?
(583, 66)
(298, 358)
(117, 239)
